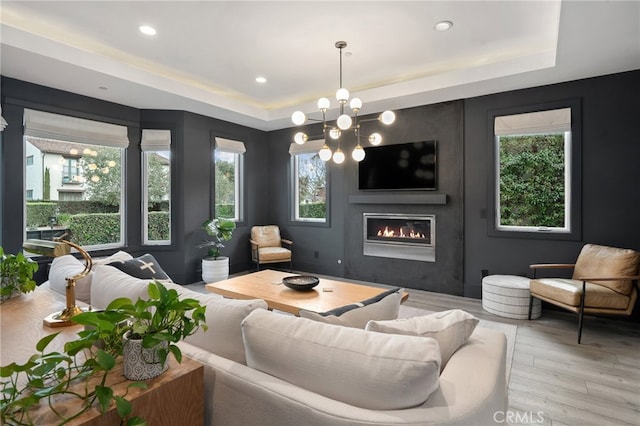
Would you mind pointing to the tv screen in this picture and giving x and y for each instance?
(403, 166)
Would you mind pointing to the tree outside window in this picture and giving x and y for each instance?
(310, 181)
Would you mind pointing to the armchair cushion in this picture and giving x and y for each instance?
(611, 262)
(568, 292)
(274, 253)
(266, 236)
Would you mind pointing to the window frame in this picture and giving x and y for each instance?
(220, 143)
(145, 200)
(573, 176)
(38, 123)
(294, 194)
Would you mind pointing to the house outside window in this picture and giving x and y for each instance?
(535, 173)
(29, 160)
(78, 178)
(309, 183)
(228, 175)
(156, 186)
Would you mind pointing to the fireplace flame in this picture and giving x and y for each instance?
(391, 233)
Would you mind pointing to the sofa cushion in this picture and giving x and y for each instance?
(369, 370)
(384, 306)
(223, 317)
(450, 328)
(117, 256)
(145, 267)
(67, 266)
(603, 261)
(109, 283)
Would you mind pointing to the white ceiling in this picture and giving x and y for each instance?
(206, 54)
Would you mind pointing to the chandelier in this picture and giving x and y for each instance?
(343, 124)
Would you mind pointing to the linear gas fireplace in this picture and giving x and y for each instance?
(399, 236)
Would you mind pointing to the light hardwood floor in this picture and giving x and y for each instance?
(555, 381)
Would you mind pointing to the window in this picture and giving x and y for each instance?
(536, 177)
(309, 186)
(156, 186)
(70, 170)
(228, 166)
(79, 179)
(29, 160)
(29, 194)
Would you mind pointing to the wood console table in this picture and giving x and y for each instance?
(175, 397)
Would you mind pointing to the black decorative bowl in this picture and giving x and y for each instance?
(300, 282)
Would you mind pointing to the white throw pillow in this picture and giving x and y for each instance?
(118, 256)
(385, 306)
(110, 283)
(67, 266)
(223, 317)
(369, 370)
(450, 328)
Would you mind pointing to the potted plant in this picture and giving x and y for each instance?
(216, 267)
(81, 371)
(16, 275)
(155, 326)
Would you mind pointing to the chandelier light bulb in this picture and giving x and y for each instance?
(323, 104)
(298, 118)
(344, 122)
(355, 104)
(338, 156)
(300, 138)
(375, 139)
(358, 153)
(334, 133)
(325, 153)
(342, 95)
(387, 117)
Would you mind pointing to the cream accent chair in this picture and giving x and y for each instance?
(266, 246)
(604, 281)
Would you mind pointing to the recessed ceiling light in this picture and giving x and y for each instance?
(261, 80)
(443, 26)
(145, 29)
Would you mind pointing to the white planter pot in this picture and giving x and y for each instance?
(140, 363)
(215, 270)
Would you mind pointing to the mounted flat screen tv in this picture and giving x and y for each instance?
(407, 166)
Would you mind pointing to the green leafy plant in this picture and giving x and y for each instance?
(16, 274)
(220, 229)
(81, 370)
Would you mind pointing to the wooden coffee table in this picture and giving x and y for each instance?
(267, 285)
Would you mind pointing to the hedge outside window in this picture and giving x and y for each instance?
(79, 157)
(535, 173)
(156, 186)
(228, 175)
(309, 186)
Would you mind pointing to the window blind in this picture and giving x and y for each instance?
(47, 125)
(551, 121)
(309, 147)
(155, 140)
(229, 145)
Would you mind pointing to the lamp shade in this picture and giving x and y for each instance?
(325, 153)
(375, 139)
(387, 117)
(300, 138)
(344, 122)
(323, 104)
(335, 133)
(358, 153)
(342, 95)
(298, 118)
(355, 104)
(338, 156)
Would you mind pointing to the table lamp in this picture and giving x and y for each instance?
(55, 248)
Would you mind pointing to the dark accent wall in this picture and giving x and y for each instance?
(610, 176)
(339, 245)
(192, 193)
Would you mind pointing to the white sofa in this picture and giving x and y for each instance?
(471, 390)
